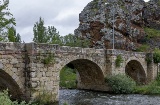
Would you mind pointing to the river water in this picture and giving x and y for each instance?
(83, 97)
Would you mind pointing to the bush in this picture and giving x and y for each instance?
(119, 60)
(5, 100)
(121, 83)
(68, 78)
(45, 98)
(156, 56)
(152, 88)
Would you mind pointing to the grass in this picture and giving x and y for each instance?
(67, 78)
(143, 48)
(152, 88)
(151, 33)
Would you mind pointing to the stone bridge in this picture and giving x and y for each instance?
(30, 70)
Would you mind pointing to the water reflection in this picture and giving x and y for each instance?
(82, 97)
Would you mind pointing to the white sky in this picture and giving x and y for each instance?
(62, 14)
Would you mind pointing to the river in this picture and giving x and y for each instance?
(84, 97)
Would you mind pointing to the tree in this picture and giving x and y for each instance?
(69, 40)
(12, 37)
(6, 19)
(12, 34)
(18, 38)
(39, 30)
(45, 35)
(53, 36)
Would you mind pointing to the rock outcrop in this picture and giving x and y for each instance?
(127, 17)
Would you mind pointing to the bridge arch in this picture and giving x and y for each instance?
(89, 74)
(7, 82)
(136, 71)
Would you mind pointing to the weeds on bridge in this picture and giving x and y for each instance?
(49, 59)
(156, 56)
(119, 60)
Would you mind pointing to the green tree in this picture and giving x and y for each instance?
(12, 36)
(69, 40)
(18, 38)
(45, 35)
(53, 36)
(6, 19)
(39, 30)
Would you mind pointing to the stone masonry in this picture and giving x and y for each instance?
(30, 70)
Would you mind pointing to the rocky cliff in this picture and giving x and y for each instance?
(125, 19)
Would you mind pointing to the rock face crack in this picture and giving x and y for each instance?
(129, 18)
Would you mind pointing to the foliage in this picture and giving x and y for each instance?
(39, 31)
(43, 34)
(74, 41)
(49, 59)
(143, 48)
(121, 83)
(53, 36)
(151, 33)
(6, 19)
(45, 98)
(152, 88)
(119, 60)
(156, 56)
(148, 59)
(5, 100)
(67, 78)
(12, 37)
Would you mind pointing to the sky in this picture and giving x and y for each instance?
(62, 14)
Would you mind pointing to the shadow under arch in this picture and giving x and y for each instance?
(7, 82)
(89, 74)
(135, 70)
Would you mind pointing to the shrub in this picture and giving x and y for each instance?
(5, 100)
(121, 83)
(156, 56)
(148, 58)
(46, 98)
(68, 78)
(119, 60)
(49, 59)
(152, 88)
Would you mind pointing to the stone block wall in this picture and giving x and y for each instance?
(12, 68)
